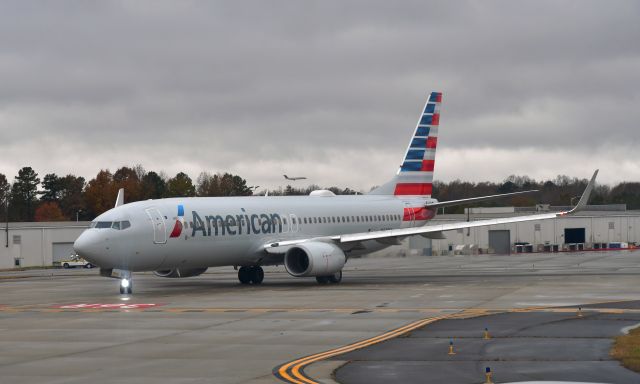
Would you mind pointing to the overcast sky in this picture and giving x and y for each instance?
(328, 90)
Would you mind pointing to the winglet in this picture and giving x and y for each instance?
(120, 198)
(584, 199)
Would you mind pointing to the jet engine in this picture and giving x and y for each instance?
(180, 272)
(314, 259)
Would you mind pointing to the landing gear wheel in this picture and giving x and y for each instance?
(335, 278)
(257, 275)
(244, 275)
(322, 280)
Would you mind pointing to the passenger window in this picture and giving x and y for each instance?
(305, 220)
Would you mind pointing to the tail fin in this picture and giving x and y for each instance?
(415, 175)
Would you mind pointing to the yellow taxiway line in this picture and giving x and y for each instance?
(293, 371)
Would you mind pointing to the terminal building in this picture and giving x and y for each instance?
(38, 244)
(598, 227)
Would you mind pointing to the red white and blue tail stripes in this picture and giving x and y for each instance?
(415, 176)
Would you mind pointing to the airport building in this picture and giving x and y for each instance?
(38, 244)
(599, 227)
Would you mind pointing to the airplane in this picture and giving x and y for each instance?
(294, 178)
(312, 236)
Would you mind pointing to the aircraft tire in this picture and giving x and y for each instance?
(322, 280)
(244, 275)
(121, 290)
(336, 277)
(257, 275)
(130, 287)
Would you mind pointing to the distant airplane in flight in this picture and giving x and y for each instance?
(295, 178)
(312, 236)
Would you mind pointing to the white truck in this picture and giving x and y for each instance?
(74, 261)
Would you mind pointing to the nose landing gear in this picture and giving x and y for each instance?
(251, 275)
(126, 287)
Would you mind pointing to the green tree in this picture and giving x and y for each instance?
(5, 188)
(51, 188)
(24, 195)
(180, 186)
(222, 185)
(153, 186)
(71, 200)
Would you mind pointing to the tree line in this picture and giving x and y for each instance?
(70, 197)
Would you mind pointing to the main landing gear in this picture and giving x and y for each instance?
(251, 275)
(126, 287)
(333, 279)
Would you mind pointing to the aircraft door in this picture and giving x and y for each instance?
(159, 227)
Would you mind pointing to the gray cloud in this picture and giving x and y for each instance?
(327, 89)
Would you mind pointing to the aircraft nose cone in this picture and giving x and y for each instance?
(89, 247)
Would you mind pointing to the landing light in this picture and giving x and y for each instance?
(125, 283)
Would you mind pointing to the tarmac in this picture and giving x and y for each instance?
(60, 326)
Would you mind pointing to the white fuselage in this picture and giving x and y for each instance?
(219, 231)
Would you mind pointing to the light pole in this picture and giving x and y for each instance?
(78, 215)
(6, 227)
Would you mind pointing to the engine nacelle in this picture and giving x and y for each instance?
(314, 259)
(180, 272)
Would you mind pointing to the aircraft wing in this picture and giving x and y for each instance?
(476, 199)
(346, 239)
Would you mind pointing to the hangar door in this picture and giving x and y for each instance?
(62, 251)
(574, 235)
(500, 241)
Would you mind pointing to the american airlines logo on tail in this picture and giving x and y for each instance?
(415, 176)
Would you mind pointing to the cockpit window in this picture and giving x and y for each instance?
(117, 225)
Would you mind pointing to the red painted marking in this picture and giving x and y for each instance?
(177, 229)
(435, 119)
(413, 189)
(427, 165)
(439, 98)
(418, 214)
(432, 142)
(108, 306)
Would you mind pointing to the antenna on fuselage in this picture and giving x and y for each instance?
(120, 198)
